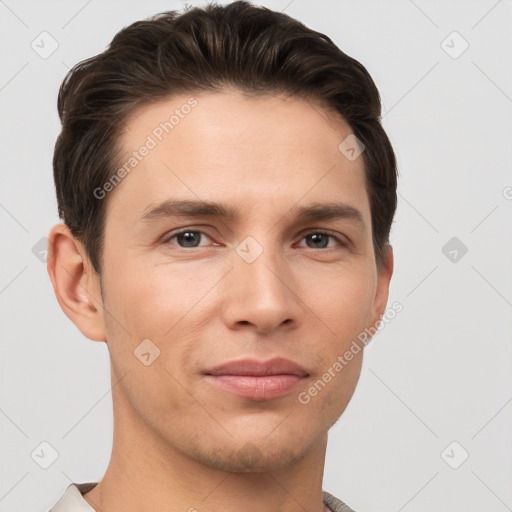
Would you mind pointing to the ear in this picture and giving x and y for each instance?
(76, 284)
(384, 274)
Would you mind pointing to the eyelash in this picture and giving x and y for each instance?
(330, 234)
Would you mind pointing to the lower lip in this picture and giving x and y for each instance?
(261, 387)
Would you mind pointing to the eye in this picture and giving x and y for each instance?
(191, 239)
(186, 239)
(320, 239)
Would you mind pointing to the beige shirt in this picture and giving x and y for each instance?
(73, 500)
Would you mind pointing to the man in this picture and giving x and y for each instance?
(227, 192)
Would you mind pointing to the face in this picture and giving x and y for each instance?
(278, 264)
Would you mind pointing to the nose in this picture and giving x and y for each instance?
(261, 293)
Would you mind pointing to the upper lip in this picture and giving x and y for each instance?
(255, 367)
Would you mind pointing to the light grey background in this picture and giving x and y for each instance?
(439, 372)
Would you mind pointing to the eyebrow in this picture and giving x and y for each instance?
(192, 208)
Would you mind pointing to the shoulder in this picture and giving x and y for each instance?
(335, 504)
(72, 500)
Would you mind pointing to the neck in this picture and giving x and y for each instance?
(146, 473)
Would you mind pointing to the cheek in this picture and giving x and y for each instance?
(342, 303)
(343, 387)
(163, 304)
(142, 310)
(149, 301)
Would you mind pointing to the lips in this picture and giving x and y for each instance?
(258, 380)
(253, 367)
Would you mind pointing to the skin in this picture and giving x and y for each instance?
(180, 442)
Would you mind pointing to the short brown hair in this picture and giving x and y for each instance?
(254, 49)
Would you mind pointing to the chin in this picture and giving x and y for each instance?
(254, 456)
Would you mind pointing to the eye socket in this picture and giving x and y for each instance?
(326, 235)
(185, 235)
(187, 238)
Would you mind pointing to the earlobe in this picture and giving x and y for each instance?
(75, 283)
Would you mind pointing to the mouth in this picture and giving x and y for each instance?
(258, 380)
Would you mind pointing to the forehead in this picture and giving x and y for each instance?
(226, 145)
(231, 117)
